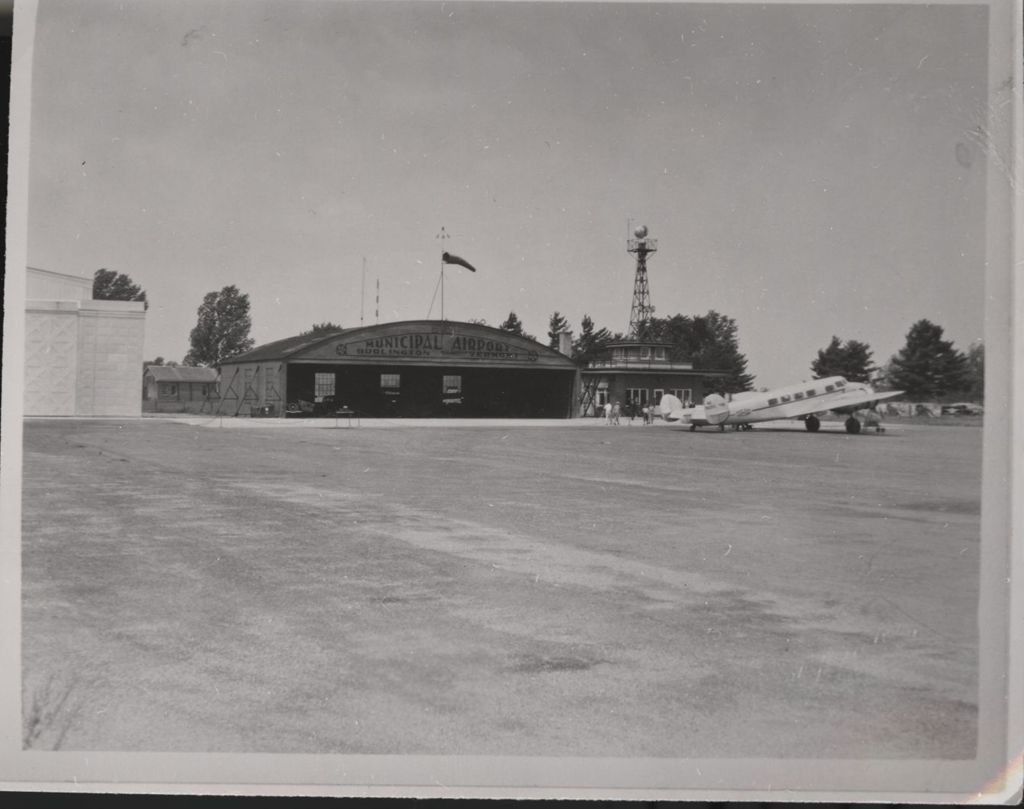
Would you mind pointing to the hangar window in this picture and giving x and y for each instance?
(645, 353)
(323, 385)
(451, 384)
(659, 353)
(658, 393)
(391, 381)
(682, 394)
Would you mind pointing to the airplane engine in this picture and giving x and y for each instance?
(716, 409)
(668, 405)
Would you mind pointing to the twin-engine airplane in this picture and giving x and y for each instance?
(801, 401)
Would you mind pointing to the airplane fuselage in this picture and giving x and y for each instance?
(801, 401)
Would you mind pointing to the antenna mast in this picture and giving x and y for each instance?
(641, 312)
(362, 294)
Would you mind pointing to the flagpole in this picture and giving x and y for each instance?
(443, 236)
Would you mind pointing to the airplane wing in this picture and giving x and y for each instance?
(839, 402)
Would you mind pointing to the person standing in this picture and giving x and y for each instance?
(615, 413)
(607, 412)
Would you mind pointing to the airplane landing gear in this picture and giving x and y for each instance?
(812, 423)
(852, 426)
(693, 428)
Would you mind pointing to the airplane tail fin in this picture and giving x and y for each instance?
(716, 409)
(671, 408)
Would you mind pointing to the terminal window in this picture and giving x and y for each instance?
(636, 396)
(682, 394)
(323, 385)
(389, 381)
(451, 384)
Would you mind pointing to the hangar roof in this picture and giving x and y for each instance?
(431, 342)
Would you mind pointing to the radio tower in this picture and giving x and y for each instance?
(642, 311)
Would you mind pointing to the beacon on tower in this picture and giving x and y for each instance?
(641, 312)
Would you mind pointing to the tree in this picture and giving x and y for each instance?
(928, 367)
(321, 328)
(974, 386)
(710, 343)
(556, 325)
(108, 285)
(513, 325)
(590, 342)
(851, 360)
(222, 328)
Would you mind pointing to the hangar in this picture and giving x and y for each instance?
(413, 368)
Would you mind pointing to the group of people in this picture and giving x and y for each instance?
(613, 412)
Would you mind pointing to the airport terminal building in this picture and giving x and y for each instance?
(413, 369)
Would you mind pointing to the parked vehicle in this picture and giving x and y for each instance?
(963, 409)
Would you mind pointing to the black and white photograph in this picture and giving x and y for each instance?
(513, 399)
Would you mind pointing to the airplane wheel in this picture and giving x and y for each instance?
(812, 423)
(852, 426)
(721, 428)
(693, 428)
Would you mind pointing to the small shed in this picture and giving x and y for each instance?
(178, 389)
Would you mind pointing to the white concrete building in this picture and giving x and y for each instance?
(82, 357)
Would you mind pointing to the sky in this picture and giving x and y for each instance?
(807, 170)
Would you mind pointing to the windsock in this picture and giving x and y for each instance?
(448, 258)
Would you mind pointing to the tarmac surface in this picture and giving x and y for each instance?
(500, 588)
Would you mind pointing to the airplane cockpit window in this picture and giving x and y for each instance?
(798, 395)
(786, 398)
(840, 383)
(829, 388)
(812, 392)
(772, 402)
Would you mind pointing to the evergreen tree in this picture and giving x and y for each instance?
(710, 343)
(718, 349)
(108, 285)
(556, 325)
(851, 360)
(928, 367)
(513, 325)
(974, 386)
(321, 328)
(222, 328)
(590, 342)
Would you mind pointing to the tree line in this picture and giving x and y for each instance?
(927, 367)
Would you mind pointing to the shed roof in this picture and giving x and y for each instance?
(172, 373)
